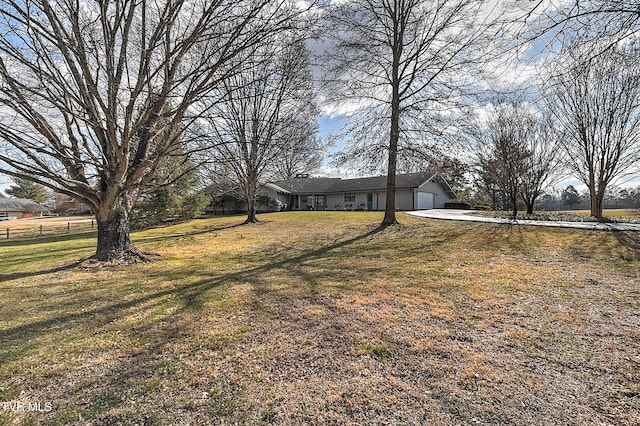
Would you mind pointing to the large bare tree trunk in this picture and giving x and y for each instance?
(529, 205)
(394, 134)
(114, 241)
(251, 206)
(390, 205)
(597, 203)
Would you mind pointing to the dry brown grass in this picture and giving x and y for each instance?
(320, 318)
(35, 222)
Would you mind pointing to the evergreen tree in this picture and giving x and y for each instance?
(26, 189)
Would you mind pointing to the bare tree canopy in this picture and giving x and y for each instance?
(518, 152)
(502, 150)
(266, 112)
(589, 22)
(597, 103)
(304, 154)
(398, 67)
(94, 94)
(543, 165)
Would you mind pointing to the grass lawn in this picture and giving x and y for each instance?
(321, 318)
(612, 213)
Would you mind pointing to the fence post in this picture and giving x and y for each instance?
(41, 230)
(68, 227)
(7, 233)
(91, 223)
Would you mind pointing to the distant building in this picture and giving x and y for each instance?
(69, 205)
(19, 208)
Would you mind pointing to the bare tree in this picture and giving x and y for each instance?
(562, 23)
(257, 120)
(399, 64)
(518, 152)
(543, 164)
(503, 149)
(597, 103)
(95, 94)
(305, 151)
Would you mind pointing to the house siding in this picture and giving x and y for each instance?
(404, 200)
(284, 199)
(14, 214)
(337, 202)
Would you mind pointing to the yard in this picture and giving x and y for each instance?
(610, 213)
(45, 226)
(321, 318)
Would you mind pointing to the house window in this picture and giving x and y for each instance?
(349, 197)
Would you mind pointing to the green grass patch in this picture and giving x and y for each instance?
(379, 351)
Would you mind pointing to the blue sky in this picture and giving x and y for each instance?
(328, 125)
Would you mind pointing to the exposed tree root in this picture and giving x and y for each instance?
(128, 256)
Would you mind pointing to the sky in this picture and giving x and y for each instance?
(521, 70)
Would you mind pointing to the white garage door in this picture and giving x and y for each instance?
(425, 200)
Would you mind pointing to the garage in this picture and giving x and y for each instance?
(426, 200)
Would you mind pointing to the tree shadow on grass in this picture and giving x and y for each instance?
(631, 241)
(499, 235)
(49, 239)
(173, 236)
(19, 275)
(188, 292)
(20, 340)
(79, 262)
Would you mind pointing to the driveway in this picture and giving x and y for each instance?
(465, 215)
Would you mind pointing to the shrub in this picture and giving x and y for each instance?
(461, 206)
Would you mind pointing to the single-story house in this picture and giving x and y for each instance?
(414, 191)
(19, 208)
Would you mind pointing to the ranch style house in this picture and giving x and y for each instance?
(414, 191)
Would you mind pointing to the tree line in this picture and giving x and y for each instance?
(585, 125)
(112, 101)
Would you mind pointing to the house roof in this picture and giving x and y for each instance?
(19, 205)
(276, 188)
(333, 185)
(379, 183)
(307, 185)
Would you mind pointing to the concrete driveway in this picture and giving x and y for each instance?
(465, 215)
